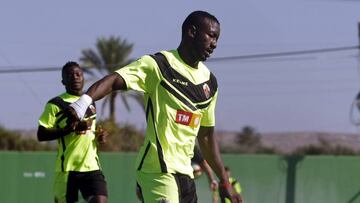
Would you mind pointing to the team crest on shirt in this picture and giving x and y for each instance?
(206, 90)
(187, 118)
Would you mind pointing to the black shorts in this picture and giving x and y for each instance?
(187, 189)
(88, 183)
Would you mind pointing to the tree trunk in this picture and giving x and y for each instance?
(112, 107)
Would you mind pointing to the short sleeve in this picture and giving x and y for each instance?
(48, 118)
(208, 116)
(141, 75)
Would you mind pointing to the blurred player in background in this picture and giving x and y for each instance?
(235, 184)
(199, 165)
(180, 95)
(77, 163)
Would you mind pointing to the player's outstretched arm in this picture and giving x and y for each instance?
(105, 86)
(98, 90)
(210, 150)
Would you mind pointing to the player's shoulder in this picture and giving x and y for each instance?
(146, 61)
(59, 101)
(54, 100)
(209, 75)
(165, 56)
(52, 107)
(160, 55)
(213, 80)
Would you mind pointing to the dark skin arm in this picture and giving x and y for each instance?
(45, 134)
(210, 150)
(97, 91)
(105, 86)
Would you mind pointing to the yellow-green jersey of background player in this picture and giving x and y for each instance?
(76, 152)
(178, 100)
(236, 187)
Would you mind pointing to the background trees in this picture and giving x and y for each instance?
(10, 140)
(109, 55)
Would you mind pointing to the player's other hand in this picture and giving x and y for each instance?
(226, 192)
(101, 134)
(71, 119)
(83, 126)
(69, 114)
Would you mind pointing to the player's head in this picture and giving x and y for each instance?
(200, 32)
(72, 78)
(196, 19)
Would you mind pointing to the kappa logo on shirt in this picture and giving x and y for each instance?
(180, 82)
(187, 118)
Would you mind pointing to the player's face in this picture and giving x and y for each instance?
(74, 80)
(206, 37)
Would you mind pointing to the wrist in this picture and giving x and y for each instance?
(80, 106)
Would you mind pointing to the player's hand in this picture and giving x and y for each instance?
(101, 134)
(226, 192)
(83, 126)
(214, 185)
(71, 119)
(70, 127)
(69, 114)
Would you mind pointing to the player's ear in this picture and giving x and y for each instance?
(63, 82)
(192, 31)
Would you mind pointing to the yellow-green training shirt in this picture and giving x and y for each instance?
(75, 152)
(178, 100)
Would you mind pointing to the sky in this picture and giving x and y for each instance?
(303, 92)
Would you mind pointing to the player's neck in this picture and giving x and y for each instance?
(75, 92)
(185, 55)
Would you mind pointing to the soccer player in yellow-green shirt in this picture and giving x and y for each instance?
(180, 97)
(235, 184)
(77, 163)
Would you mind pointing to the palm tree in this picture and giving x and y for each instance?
(110, 54)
